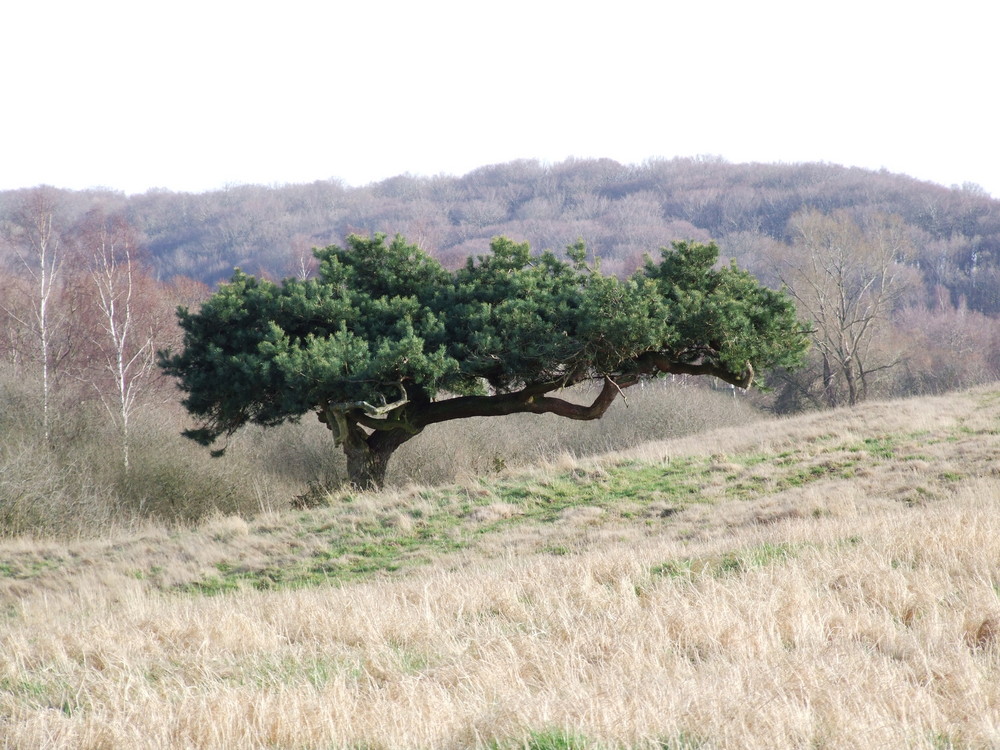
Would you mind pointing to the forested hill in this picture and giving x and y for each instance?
(620, 211)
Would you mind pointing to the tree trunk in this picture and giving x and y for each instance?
(852, 384)
(368, 455)
(829, 386)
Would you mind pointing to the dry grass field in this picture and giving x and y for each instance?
(827, 581)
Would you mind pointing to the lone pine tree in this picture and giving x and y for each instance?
(385, 341)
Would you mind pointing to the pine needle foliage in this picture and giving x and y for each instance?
(386, 341)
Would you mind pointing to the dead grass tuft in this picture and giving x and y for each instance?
(581, 514)
(494, 512)
(986, 634)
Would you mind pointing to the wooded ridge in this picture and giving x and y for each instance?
(620, 211)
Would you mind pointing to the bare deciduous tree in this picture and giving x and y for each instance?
(846, 276)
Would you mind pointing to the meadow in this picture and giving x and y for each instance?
(830, 580)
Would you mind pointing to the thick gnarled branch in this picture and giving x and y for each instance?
(654, 362)
(530, 400)
(340, 416)
(370, 409)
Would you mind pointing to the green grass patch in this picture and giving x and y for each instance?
(28, 567)
(882, 447)
(270, 672)
(731, 563)
(349, 551)
(619, 486)
(807, 474)
(753, 459)
(546, 739)
(56, 694)
(209, 586)
(622, 490)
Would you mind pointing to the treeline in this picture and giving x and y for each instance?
(620, 211)
(932, 330)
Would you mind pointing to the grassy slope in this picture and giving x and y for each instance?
(825, 581)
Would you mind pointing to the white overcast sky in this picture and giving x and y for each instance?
(192, 95)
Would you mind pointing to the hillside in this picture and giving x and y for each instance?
(827, 580)
(621, 211)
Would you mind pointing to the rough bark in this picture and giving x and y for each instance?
(829, 383)
(368, 455)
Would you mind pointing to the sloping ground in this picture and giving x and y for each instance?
(824, 581)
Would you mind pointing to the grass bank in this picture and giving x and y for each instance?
(826, 581)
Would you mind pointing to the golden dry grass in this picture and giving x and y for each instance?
(845, 595)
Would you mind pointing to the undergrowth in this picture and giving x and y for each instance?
(76, 483)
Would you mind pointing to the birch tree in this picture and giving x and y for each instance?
(34, 238)
(122, 337)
